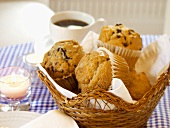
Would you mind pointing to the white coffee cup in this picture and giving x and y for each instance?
(73, 32)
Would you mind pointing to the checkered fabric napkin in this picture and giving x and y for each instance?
(43, 102)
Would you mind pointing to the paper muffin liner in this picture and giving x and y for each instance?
(155, 59)
(131, 56)
(120, 68)
(68, 82)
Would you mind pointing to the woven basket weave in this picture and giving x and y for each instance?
(124, 114)
(169, 74)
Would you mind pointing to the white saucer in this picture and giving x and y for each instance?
(52, 119)
(16, 119)
(43, 45)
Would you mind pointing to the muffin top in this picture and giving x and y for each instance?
(94, 71)
(121, 36)
(61, 60)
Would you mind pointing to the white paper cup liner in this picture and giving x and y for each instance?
(120, 68)
(131, 56)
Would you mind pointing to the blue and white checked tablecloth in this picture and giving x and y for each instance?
(43, 102)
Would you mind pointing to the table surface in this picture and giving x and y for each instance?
(42, 100)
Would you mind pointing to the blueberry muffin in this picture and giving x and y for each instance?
(60, 62)
(97, 68)
(122, 41)
(121, 36)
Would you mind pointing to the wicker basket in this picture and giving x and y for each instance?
(169, 74)
(123, 115)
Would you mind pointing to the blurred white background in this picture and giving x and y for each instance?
(28, 20)
(145, 16)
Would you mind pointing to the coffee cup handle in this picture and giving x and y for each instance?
(98, 25)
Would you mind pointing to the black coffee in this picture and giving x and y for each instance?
(66, 23)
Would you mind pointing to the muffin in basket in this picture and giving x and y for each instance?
(96, 70)
(139, 85)
(122, 41)
(60, 62)
(121, 36)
